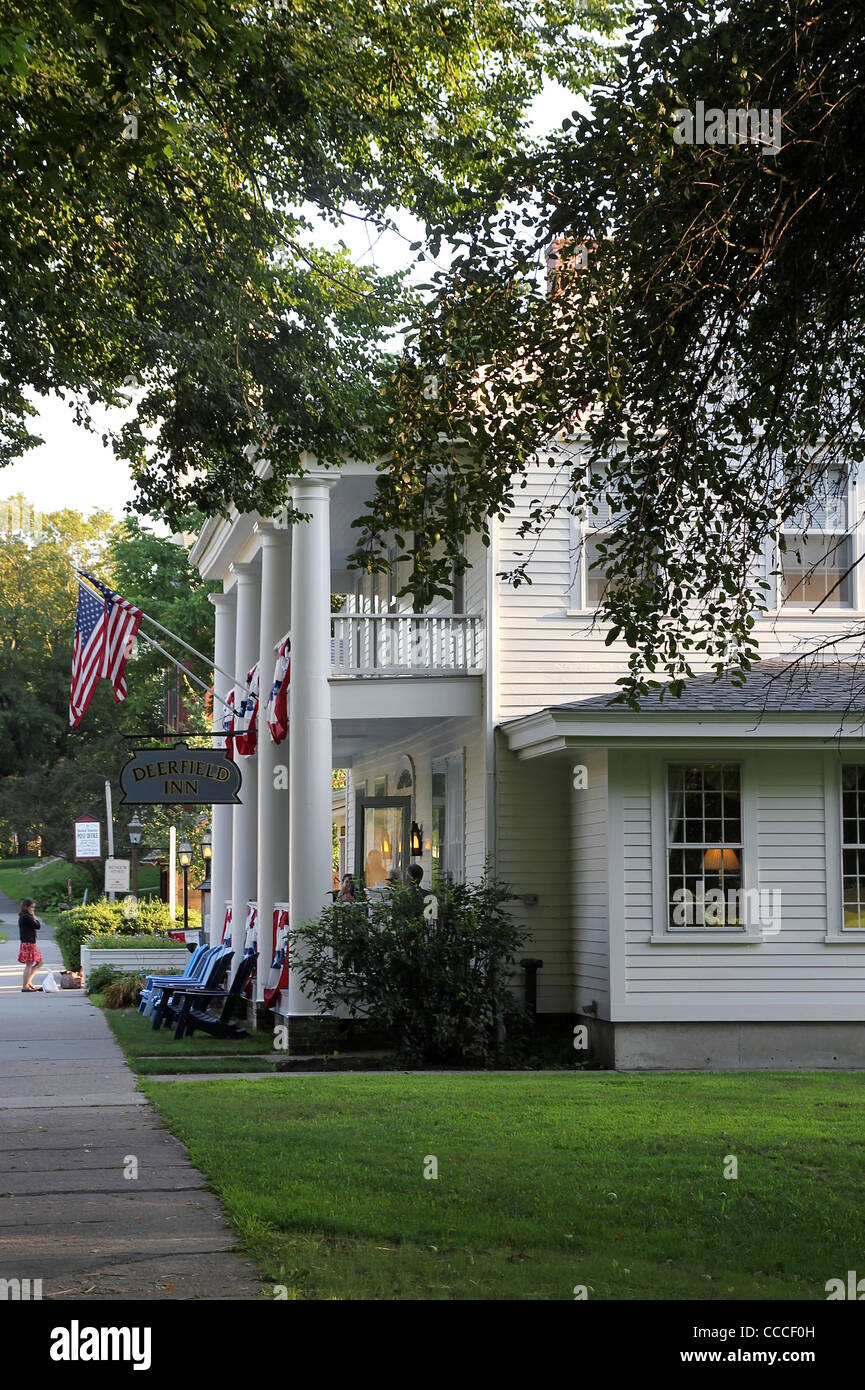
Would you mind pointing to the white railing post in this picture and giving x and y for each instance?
(364, 643)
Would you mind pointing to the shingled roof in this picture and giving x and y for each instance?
(771, 687)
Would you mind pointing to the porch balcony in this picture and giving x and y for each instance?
(406, 644)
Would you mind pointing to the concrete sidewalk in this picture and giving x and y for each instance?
(72, 1125)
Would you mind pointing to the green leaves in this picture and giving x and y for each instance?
(711, 330)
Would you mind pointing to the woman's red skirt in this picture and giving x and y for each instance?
(29, 954)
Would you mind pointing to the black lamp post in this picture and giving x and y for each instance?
(136, 830)
(184, 854)
(206, 844)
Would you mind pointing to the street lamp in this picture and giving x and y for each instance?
(206, 844)
(184, 855)
(136, 830)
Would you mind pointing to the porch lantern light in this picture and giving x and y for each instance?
(184, 853)
(385, 845)
(416, 840)
(206, 843)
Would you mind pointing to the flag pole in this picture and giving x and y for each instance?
(173, 635)
(208, 661)
(188, 673)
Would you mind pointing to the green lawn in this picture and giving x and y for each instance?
(136, 1036)
(147, 1066)
(51, 878)
(544, 1182)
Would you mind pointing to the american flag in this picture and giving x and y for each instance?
(105, 627)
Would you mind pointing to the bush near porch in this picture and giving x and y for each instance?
(433, 972)
(544, 1183)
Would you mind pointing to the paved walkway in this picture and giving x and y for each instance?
(70, 1121)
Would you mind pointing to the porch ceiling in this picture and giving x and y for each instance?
(357, 738)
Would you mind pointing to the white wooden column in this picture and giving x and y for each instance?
(222, 817)
(244, 881)
(273, 795)
(310, 734)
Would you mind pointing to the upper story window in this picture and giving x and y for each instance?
(814, 568)
(590, 580)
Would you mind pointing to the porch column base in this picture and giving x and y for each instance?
(309, 1034)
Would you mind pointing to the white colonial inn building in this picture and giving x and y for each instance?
(692, 875)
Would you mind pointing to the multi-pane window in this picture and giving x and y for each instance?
(704, 845)
(853, 843)
(815, 565)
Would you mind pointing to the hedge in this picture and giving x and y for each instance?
(102, 918)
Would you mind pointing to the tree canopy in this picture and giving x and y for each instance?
(165, 163)
(700, 339)
(49, 773)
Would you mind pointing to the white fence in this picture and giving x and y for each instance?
(364, 644)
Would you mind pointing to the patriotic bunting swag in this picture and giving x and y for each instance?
(246, 722)
(277, 979)
(277, 704)
(226, 926)
(228, 722)
(105, 628)
(249, 944)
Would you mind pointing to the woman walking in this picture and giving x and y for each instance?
(29, 954)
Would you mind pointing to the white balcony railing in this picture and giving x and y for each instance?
(379, 644)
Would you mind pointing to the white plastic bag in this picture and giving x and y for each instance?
(50, 985)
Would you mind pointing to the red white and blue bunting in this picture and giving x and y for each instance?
(277, 703)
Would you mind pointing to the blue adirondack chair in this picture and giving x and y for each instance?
(193, 1008)
(193, 971)
(216, 963)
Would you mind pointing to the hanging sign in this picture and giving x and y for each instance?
(88, 838)
(181, 777)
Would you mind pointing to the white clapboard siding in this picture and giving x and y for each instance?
(548, 654)
(533, 857)
(474, 580)
(589, 868)
(793, 976)
(440, 740)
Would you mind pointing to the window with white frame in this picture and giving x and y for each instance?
(704, 846)
(853, 844)
(448, 819)
(596, 527)
(814, 567)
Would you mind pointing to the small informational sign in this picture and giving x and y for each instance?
(88, 838)
(117, 875)
(180, 777)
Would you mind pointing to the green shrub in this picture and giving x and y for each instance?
(128, 942)
(124, 992)
(100, 977)
(433, 972)
(102, 918)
